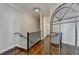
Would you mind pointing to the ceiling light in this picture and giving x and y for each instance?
(36, 9)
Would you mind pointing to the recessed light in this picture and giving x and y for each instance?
(36, 9)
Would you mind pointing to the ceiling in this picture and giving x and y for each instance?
(44, 7)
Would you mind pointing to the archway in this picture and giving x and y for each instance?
(64, 29)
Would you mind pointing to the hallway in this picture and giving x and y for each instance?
(39, 29)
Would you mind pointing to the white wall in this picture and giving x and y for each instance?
(46, 25)
(41, 25)
(68, 31)
(8, 26)
(78, 33)
(14, 20)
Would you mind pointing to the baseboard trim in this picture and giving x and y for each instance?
(24, 48)
(21, 47)
(6, 49)
(46, 37)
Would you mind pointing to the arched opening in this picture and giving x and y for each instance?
(64, 29)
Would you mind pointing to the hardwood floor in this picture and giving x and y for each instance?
(40, 48)
(54, 49)
(43, 47)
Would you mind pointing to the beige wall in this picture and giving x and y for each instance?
(29, 23)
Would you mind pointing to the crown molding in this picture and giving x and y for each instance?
(20, 9)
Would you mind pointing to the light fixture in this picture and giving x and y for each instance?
(36, 9)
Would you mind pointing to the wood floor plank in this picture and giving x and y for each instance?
(43, 47)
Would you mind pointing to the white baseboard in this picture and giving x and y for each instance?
(21, 46)
(1, 51)
(46, 36)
